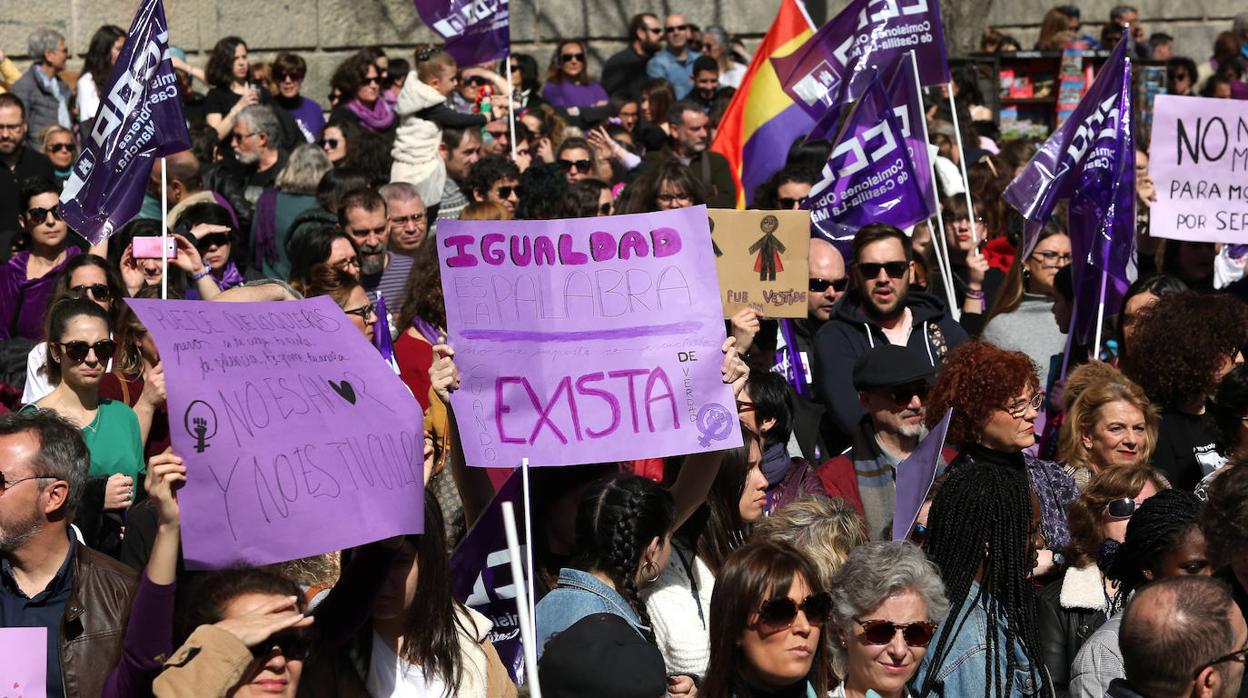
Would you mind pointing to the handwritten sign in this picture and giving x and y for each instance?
(1199, 163)
(761, 257)
(587, 340)
(298, 437)
(24, 667)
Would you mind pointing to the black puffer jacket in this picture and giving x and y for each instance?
(1068, 611)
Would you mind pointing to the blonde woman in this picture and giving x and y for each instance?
(823, 529)
(1110, 422)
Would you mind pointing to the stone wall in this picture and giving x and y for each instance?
(326, 31)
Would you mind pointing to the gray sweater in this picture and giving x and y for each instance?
(1029, 328)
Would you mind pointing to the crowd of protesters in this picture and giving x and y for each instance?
(1088, 535)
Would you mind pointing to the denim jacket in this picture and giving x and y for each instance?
(962, 671)
(576, 595)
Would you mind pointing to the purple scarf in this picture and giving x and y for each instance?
(377, 119)
(230, 277)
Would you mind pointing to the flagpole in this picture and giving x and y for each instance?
(511, 125)
(528, 544)
(938, 235)
(966, 179)
(164, 231)
(1071, 332)
(528, 632)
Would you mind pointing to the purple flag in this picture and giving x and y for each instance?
(870, 177)
(906, 97)
(481, 576)
(382, 338)
(475, 31)
(140, 119)
(915, 476)
(1089, 159)
(836, 65)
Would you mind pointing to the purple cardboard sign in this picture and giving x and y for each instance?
(24, 669)
(298, 438)
(915, 476)
(1197, 161)
(586, 340)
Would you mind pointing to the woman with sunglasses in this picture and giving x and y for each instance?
(767, 616)
(359, 81)
(1163, 539)
(289, 70)
(567, 80)
(58, 144)
(1108, 422)
(27, 279)
(79, 349)
(983, 535)
(1071, 608)
(347, 292)
(886, 602)
(995, 396)
(209, 227)
(1022, 316)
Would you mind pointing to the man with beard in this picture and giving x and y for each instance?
(409, 226)
(459, 149)
(879, 310)
(47, 578)
(20, 163)
(892, 386)
(363, 217)
(258, 160)
(625, 72)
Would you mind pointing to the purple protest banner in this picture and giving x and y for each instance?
(24, 668)
(140, 119)
(915, 476)
(481, 576)
(869, 177)
(475, 31)
(837, 63)
(1197, 160)
(298, 437)
(586, 340)
(906, 97)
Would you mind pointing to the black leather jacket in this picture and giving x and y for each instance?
(1065, 621)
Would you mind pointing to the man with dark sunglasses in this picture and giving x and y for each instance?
(1182, 636)
(892, 385)
(879, 309)
(625, 72)
(496, 179)
(675, 62)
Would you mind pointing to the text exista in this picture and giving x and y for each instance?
(538, 250)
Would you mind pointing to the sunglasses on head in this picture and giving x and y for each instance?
(779, 613)
(40, 214)
(99, 292)
(1122, 508)
(882, 632)
(821, 285)
(77, 350)
(578, 165)
(60, 147)
(291, 645)
(569, 57)
(208, 242)
(895, 270)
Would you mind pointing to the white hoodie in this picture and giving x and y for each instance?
(415, 152)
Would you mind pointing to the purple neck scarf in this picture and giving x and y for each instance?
(230, 277)
(377, 119)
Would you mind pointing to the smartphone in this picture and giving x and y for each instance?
(150, 248)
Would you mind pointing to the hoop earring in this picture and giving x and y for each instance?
(648, 568)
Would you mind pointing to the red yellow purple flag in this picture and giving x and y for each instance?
(762, 122)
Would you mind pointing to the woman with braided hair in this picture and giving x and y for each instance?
(983, 534)
(1163, 540)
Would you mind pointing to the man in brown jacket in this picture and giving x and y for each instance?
(47, 578)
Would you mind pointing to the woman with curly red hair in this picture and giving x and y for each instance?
(995, 395)
(1181, 348)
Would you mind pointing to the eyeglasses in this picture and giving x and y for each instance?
(577, 165)
(364, 311)
(1236, 656)
(669, 199)
(744, 406)
(99, 292)
(871, 270)
(787, 204)
(1019, 407)
(822, 285)
(1122, 508)
(677, 28)
(60, 147)
(208, 242)
(882, 632)
(345, 264)
(1049, 258)
(779, 613)
(506, 192)
(78, 350)
(330, 143)
(292, 645)
(569, 57)
(293, 77)
(236, 137)
(904, 394)
(5, 483)
(402, 221)
(40, 215)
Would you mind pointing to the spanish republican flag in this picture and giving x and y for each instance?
(761, 122)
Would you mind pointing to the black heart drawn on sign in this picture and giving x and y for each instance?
(344, 390)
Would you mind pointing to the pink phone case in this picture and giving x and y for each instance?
(149, 248)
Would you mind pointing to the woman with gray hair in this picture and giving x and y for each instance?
(886, 601)
(277, 207)
(717, 44)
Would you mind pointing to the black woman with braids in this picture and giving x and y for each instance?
(983, 534)
(1163, 540)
